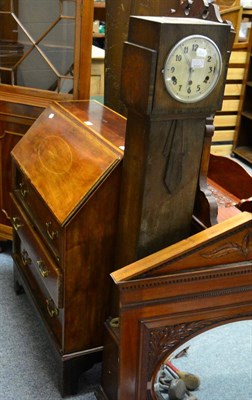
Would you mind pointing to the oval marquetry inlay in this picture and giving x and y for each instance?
(55, 154)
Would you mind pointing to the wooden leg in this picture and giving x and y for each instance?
(71, 370)
(100, 395)
(5, 246)
(18, 288)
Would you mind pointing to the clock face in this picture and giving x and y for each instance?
(192, 68)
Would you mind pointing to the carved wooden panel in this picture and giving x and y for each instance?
(162, 311)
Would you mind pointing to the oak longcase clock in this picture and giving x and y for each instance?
(173, 78)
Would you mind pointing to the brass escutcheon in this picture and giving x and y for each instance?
(25, 258)
(23, 191)
(44, 271)
(51, 308)
(16, 223)
(52, 234)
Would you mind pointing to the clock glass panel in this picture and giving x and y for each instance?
(192, 68)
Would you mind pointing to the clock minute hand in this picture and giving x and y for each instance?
(185, 56)
(189, 65)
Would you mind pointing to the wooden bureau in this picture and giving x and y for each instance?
(66, 177)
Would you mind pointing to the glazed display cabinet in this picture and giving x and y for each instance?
(45, 55)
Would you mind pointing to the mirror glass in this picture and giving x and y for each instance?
(213, 365)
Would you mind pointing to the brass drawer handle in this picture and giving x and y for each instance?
(25, 258)
(23, 191)
(44, 271)
(16, 223)
(52, 234)
(51, 308)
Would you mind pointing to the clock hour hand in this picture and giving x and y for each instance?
(189, 81)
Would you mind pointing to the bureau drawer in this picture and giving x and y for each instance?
(52, 317)
(39, 212)
(34, 256)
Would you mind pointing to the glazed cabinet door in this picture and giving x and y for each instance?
(45, 55)
(43, 45)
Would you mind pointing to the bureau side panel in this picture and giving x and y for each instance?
(89, 258)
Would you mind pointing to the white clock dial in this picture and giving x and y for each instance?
(192, 68)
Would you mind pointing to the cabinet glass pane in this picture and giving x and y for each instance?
(37, 43)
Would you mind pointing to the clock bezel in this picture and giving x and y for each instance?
(206, 93)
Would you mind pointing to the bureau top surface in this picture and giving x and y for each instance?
(69, 151)
(105, 122)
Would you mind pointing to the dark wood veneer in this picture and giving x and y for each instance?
(66, 178)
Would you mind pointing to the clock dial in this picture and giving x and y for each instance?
(192, 68)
